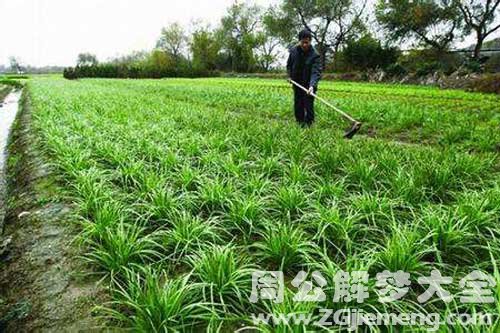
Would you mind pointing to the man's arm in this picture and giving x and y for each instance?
(315, 71)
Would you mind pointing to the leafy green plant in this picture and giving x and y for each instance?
(213, 176)
(188, 234)
(284, 246)
(156, 303)
(225, 275)
(123, 247)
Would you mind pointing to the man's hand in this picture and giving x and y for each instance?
(310, 91)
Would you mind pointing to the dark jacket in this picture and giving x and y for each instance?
(304, 68)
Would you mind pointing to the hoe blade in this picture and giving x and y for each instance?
(353, 130)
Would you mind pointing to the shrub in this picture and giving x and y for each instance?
(69, 73)
(423, 62)
(134, 71)
(13, 83)
(368, 53)
(487, 84)
(396, 70)
(492, 65)
(427, 68)
(473, 66)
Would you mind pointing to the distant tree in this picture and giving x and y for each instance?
(161, 63)
(15, 64)
(161, 59)
(368, 53)
(205, 47)
(280, 26)
(433, 23)
(479, 16)
(239, 37)
(267, 50)
(134, 57)
(173, 39)
(331, 23)
(86, 59)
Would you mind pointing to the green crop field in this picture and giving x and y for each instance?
(184, 188)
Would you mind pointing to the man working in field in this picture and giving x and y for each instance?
(304, 67)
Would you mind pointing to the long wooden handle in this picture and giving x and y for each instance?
(345, 115)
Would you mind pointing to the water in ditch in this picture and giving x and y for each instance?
(8, 111)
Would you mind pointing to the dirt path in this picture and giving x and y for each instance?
(41, 284)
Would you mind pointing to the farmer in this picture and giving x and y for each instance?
(304, 67)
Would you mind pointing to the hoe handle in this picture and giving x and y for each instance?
(345, 115)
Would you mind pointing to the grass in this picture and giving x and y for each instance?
(4, 91)
(7, 81)
(183, 187)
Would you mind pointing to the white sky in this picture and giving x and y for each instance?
(53, 32)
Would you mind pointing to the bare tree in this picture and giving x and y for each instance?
(479, 16)
(172, 40)
(267, 50)
(15, 64)
(86, 59)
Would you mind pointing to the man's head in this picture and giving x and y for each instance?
(305, 38)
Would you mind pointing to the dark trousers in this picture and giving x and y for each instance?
(304, 107)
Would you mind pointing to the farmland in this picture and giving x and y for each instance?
(182, 188)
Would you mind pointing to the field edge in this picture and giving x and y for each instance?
(43, 284)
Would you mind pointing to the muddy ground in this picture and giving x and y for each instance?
(43, 284)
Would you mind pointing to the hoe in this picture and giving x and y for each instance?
(355, 125)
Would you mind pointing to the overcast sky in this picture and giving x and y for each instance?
(53, 32)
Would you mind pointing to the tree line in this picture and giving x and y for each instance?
(348, 34)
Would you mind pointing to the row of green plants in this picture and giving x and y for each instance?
(10, 81)
(405, 113)
(183, 188)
